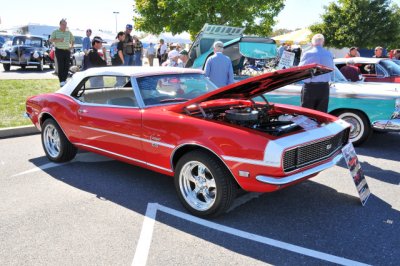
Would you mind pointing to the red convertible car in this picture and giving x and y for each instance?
(176, 122)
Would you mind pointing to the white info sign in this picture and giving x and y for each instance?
(286, 60)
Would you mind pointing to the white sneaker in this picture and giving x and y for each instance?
(62, 83)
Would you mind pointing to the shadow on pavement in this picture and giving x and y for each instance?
(309, 214)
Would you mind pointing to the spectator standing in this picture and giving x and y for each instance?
(218, 67)
(162, 52)
(86, 42)
(118, 58)
(352, 53)
(63, 41)
(151, 53)
(396, 54)
(184, 56)
(138, 48)
(95, 60)
(350, 71)
(315, 91)
(379, 52)
(128, 47)
(282, 48)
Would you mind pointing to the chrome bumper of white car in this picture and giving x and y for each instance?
(292, 178)
(387, 125)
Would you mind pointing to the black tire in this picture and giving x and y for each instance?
(360, 126)
(40, 67)
(51, 65)
(23, 67)
(216, 188)
(55, 144)
(6, 67)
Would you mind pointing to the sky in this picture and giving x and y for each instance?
(83, 14)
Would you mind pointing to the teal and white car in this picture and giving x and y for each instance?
(367, 106)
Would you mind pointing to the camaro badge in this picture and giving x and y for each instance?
(329, 146)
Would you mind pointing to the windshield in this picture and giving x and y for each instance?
(30, 41)
(78, 40)
(392, 68)
(173, 88)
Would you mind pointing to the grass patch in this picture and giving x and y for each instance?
(13, 94)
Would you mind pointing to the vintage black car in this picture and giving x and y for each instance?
(26, 50)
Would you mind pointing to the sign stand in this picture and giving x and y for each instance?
(356, 172)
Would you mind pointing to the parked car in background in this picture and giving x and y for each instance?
(176, 122)
(4, 38)
(237, 47)
(26, 50)
(366, 106)
(374, 69)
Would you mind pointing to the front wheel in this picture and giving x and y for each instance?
(360, 127)
(6, 67)
(55, 144)
(204, 185)
(40, 66)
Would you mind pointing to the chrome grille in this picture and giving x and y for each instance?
(301, 156)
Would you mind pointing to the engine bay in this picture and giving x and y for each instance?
(261, 117)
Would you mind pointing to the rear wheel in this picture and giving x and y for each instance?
(6, 67)
(360, 126)
(55, 144)
(204, 185)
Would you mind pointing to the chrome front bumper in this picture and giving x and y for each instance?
(391, 125)
(292, 178)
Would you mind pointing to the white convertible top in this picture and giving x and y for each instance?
(123, 71)
(359, 60)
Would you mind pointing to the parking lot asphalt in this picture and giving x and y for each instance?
(95, 210)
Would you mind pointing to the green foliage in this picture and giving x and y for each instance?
(176, 16)
(13, 94)
(360, 23)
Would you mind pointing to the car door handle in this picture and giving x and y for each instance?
(82, 111)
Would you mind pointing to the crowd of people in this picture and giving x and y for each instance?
(127, 50)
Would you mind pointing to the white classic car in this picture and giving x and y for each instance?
(367, 106)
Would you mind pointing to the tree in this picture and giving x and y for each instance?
(360, 23)
(176, 16)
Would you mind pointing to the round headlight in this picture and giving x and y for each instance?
(3, 53)
(36, 55)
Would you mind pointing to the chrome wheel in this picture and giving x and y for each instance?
(51, 140)
(197, 186)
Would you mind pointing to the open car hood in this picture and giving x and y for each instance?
(255, 86)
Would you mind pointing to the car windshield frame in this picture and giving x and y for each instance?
(173, 88)
(391, 67)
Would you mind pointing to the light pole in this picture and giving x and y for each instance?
(116, 25)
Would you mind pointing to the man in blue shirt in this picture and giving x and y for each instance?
(219, 67)
(315, 92)
(86, 42)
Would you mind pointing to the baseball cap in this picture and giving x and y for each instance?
(183, 52)
(98, 39)
(173, 53)
(129, 26)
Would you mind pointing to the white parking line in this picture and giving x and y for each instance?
(143, 247)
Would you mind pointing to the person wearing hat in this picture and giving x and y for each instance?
(173, 59)
(218, 67)
(95, 60)
(63, 41)
(86, 43)
(129, 48)
(184, 56)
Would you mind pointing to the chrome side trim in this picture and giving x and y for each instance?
(387, 125)
(130, 137)
(244, 160)
(274, 150)
(123, 156)
(292, 178)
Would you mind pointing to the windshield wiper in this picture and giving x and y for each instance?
(174, 100)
